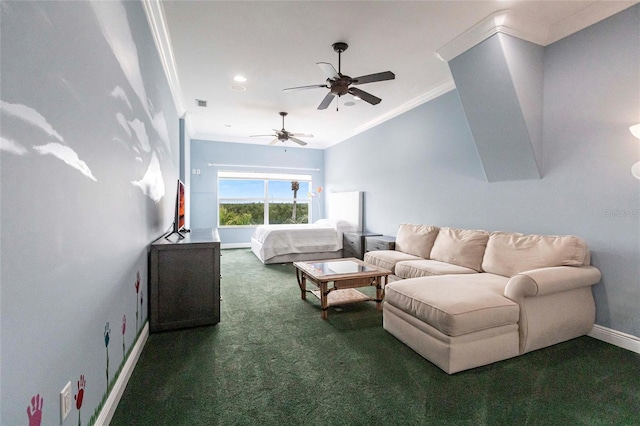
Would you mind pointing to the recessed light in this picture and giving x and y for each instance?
(238, 88)
(227, 125)
(239, 78)
(349, 103)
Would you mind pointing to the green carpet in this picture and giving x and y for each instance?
(273, 361)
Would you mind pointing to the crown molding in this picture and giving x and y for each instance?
(425, 97)
(158, 25)
(595, 12)
(504, 22)
(507, 22)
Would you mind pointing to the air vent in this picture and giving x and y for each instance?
(201, 103)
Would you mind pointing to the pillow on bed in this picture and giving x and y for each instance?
(340, 225)
(344, 226)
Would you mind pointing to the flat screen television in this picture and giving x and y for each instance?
(179, 213)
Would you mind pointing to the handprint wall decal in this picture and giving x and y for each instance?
(137, 285)
(79, 396)
(124, 328)
(107, 330)
(34, 411)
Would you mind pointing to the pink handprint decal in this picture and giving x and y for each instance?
(34, 412)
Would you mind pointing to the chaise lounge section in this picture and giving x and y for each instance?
(467, 298)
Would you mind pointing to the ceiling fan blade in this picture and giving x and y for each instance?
(298, 141)
(301, 135)
(328, 70)
(371, 78)
(313, 86)
(367, 97)
(275, 141)
(259, 136)
(326, 101)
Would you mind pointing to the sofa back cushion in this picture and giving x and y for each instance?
(462, 247)
(416, 239)
(510, 253)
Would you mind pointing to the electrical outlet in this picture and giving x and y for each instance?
(65, 402)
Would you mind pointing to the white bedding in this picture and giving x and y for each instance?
(322, 236)
(320, 240)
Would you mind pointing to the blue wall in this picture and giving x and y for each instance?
(89, 163)
(205, 155)
(423, 166)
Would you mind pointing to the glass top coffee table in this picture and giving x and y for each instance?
(346, 275)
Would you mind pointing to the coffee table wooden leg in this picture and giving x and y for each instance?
(324, 304)
(302, 283)
(380, 291)
(303, 288)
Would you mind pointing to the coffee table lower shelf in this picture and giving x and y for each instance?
(343, 297)
(345, 275)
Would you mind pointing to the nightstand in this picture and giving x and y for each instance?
(353, 243)
(381, 242)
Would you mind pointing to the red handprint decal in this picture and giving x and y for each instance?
(35, 411)
(80, 395)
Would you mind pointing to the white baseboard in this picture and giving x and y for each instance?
(617, 338)
(235, 245)
(110, 405)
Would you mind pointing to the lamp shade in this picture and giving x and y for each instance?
(635, 130)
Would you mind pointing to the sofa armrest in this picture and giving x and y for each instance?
(543, 281)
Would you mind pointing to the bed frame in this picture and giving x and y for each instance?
(340, 205)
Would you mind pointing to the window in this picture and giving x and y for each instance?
(250, 199)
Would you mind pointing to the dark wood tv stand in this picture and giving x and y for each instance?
(184, 280)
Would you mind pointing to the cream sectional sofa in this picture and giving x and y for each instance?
(466, 298)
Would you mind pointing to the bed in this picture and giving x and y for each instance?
(319, 240)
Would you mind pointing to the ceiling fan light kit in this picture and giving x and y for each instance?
(340, 84)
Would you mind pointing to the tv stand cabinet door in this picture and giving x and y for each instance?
(184, 282)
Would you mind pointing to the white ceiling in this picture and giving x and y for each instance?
(276, 44)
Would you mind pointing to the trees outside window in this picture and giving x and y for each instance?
(250, 199)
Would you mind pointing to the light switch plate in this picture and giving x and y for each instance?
(65, 402)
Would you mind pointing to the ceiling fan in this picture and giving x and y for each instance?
(283, 135)
(339, 84)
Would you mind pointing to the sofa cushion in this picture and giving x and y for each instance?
(387, 259)
(462, 247)
(455, 304)
(427, 267)
(508, 254)
(416, 239)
